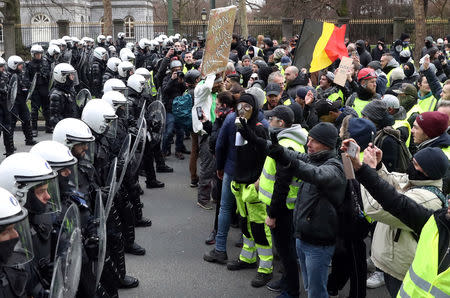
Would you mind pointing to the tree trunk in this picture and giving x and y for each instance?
(11, 12)
(243, 18)
(107, 17)
(420, 29)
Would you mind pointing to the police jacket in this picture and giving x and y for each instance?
(41, 67)
(140, 58)
(4, 81)
(97, 70)
(62, 103)
(22, 84)
(411, 213)
(109, 74)
(322, 191)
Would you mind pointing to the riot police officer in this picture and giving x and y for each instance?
(39, 68)
(20, 110)
(5, 115)
(100, 56)
(62, 96)
(111, 71)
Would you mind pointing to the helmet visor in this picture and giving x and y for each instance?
(17, 247)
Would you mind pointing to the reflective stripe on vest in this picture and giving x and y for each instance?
(422, 278)
(403, 123)
(358, 105)
(267, 179)
(446, 150)
(152, 85)
(427, 104)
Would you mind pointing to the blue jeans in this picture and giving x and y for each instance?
(314, 261)
(171, 129)
(225, 212)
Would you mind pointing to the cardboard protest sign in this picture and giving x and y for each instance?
(218, 41)
(344, 67)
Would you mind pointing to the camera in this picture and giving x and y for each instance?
(180, 74)
(199, 113)
(177, 53)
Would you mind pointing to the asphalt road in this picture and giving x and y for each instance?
(173, 265)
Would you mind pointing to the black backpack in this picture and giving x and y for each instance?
(404, 156)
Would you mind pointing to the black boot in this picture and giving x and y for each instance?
(8, 141)
(26, 128)
(128, 282)
(34, 128)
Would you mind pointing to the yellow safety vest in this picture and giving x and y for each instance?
(446, 150)
(335, 96)
(400, 123)
(427, 104)
(358, 105)
(267, 179)
(280, 68)
(389, 77)
(153, 89)
(422, 279)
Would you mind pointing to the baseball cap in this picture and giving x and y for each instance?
(407, 89)
(282, 112)
(285, 60)
(323, 107)
(273, 89)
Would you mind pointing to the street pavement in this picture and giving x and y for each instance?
(173, 265)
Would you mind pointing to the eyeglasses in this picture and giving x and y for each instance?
(243, 105)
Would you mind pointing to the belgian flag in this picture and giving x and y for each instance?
(319, 45)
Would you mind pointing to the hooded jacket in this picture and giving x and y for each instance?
(405, 209)
(283, 176)
(292, 87)
(364, 55)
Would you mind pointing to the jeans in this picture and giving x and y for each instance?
(314, 261)
(283, 239)
(171, 129)
(225, 213)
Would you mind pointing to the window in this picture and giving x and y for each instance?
(41, 28)
(129, 26)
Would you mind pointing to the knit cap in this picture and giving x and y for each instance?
(433, 124)
(375, 110)
(433, 161)
(325, 133)
(361, 130)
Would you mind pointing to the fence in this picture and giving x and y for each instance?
(370, 29)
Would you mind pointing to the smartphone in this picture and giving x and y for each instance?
(199, 113)
(372, 140)
(352, 149)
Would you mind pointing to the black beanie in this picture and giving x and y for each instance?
(325, 133)
(433, 161)
(248, 98)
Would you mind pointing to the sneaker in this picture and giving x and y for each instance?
(261, 279)
(211, 238)
(194, 183)
(206, 206)
(179, 155)
(375, 280)
(333, 294)
(215, 256)
(238, 265)
(275, 285)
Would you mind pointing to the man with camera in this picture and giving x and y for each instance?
(172, 86)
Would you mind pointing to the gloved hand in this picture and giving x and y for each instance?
(276, 151)
(91, 247)
(246, 132)
(46, 269)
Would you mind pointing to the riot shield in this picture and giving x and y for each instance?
(32, 86)
(122, 161)
(83, 96)
(111, 184)
(100, 221)
(68, 251)
(11, 99)
(137, 150)
(156, 121)
(57, 286)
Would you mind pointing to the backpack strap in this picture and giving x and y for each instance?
(437, 192)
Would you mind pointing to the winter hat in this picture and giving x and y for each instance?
(361, 130)
(282, 112)
(248, 98)
(303, 90)
(433, 161)
(298, 113)
(246, 57)
(375, 110)
(391, 101)
(286, 61)
(260, 63)
(258, 94)
(433, 124)
(397, 74)
(278, 54)
(375, 65)
(325, 133)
